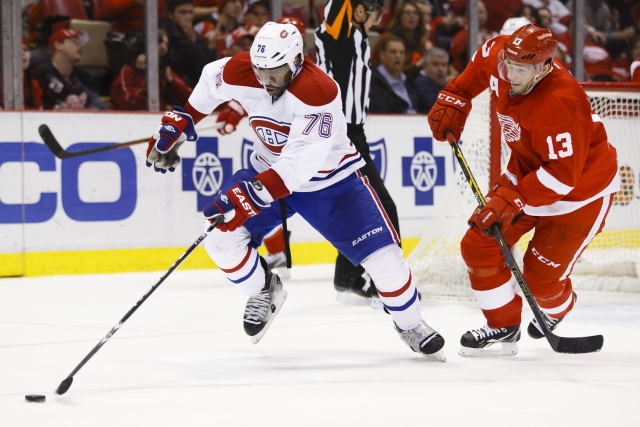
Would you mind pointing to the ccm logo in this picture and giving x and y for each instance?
(543, 260)
(173, 115)
(245, 205)
(451, 99)
(519, 203)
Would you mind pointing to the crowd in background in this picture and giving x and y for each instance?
(419, 46)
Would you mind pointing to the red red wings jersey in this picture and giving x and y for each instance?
(301, 136)
(561, 158)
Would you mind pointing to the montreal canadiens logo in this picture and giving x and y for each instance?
(272, 134)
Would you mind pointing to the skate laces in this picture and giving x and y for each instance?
(257, 307)
(485, 331)
(550, 321)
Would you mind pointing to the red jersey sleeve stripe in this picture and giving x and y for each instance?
(195, 114)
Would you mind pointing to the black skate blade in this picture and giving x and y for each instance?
(64, 385)
(576, 345)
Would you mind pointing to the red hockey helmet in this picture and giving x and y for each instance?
(530, 45)
(293, 21)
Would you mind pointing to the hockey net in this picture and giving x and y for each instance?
(612, 260)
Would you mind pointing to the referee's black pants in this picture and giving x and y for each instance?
(347, 274)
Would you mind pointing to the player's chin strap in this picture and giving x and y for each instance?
(287, 248)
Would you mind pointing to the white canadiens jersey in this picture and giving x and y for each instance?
(302, 135)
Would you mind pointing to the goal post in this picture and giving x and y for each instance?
(612, 260)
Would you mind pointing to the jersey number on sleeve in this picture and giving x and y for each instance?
(567, 148)
(325, 119)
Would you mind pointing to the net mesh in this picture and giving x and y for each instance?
(612, 260)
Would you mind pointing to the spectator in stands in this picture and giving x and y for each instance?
(597, 60)
(204, 10)
(543, 17)
(459, 50)
(128, 15)
(531, 13)
(239, 40)
(634, 58)
(392, 92)
(65, 86)
(32, 93)
(444, 28)
(408, 25)
(426, 10)
(433, 76)
(560, 15)
(129, 89)
(607, 22)
(229, 13)
(622, 65)
(499, 11)
(257, 14)
(188, 53)
(215, 31)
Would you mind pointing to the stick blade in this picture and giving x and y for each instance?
(52, 142)
(579, 345)
(64, 385)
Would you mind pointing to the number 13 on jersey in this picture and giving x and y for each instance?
(565, 140)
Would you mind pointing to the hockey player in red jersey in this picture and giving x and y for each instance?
(560, 181)
(302, 154)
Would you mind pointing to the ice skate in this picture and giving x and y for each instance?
(425, 340)
(361, 291)
(475, 342)
(278, 261)
(263, 308)
(534, 330)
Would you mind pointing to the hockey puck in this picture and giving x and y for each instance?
(34, 398)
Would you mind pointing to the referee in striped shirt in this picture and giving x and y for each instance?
(343, 52)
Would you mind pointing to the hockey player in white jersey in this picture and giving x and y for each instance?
(303, 155)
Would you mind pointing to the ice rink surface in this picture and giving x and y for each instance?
(183, 360)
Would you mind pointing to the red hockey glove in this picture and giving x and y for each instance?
(506, 207)
(229, 117)
(162, 152)
(238, 204)
(449, 113)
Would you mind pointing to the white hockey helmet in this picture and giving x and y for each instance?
(277, 49)
(512, 24)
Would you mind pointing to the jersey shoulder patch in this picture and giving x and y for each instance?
(238, 71)
(313, 86)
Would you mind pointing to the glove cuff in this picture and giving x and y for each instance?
(453, 100)
(235, 106)
(273, 183)
(511, 195)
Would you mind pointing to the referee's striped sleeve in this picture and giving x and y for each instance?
(343, 52)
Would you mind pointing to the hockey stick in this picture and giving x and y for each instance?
(61, 153)
(66, 383)
(558, 344)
